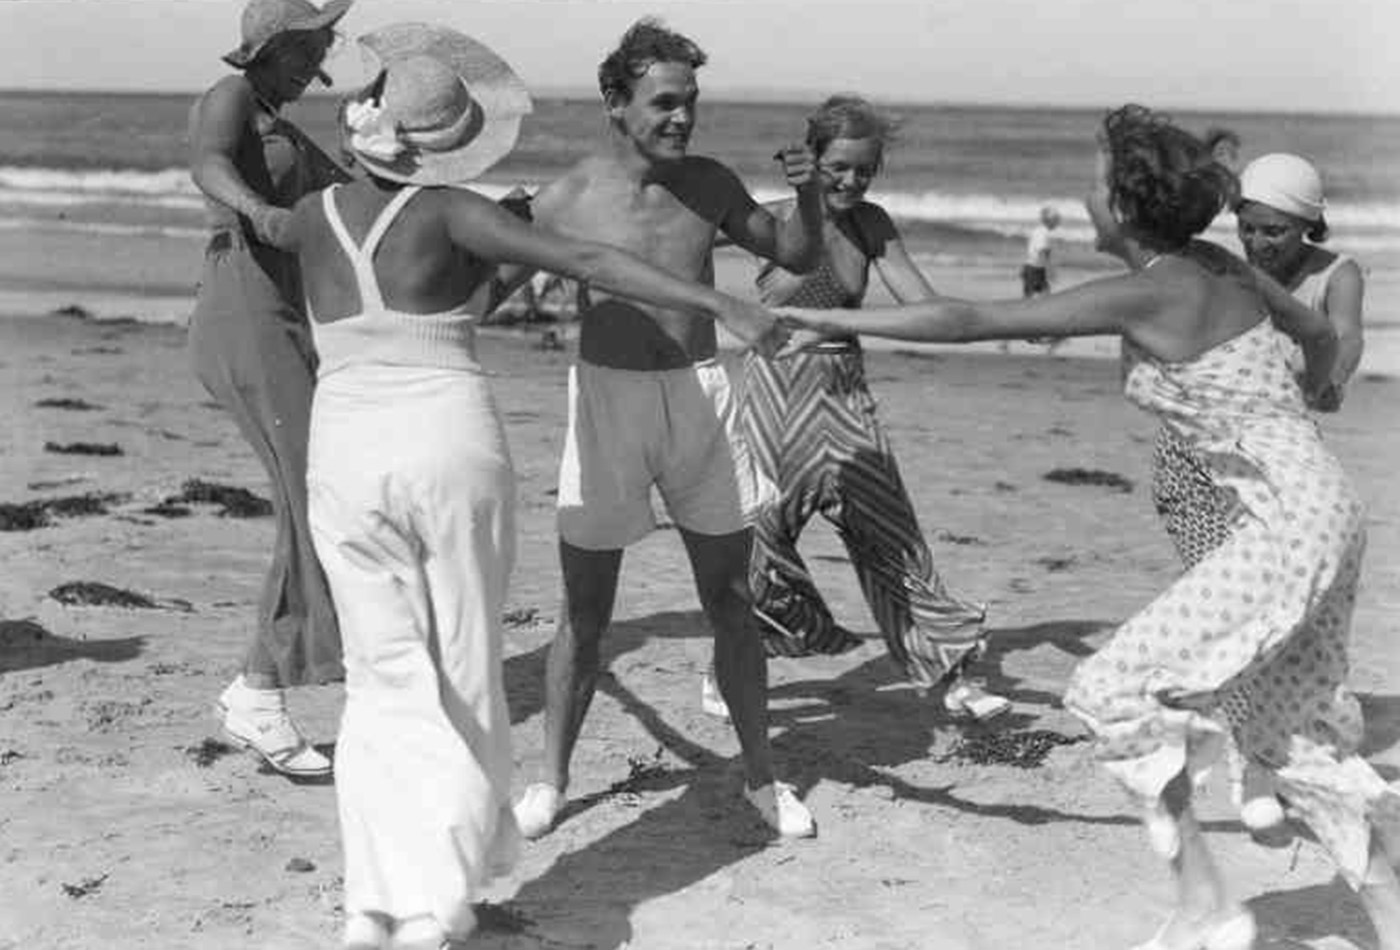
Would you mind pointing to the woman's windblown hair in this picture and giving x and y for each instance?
(1163, 181)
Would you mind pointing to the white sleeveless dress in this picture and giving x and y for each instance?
(412, 508)
(1312, 290)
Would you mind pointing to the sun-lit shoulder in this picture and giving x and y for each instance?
(558, 194)
(229, 92)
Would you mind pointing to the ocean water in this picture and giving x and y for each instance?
(964, 183)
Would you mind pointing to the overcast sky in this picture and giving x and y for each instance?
(1288, 55)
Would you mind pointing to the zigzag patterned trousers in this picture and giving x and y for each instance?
(811, 424)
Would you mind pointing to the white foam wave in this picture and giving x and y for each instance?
(68, 199)
(48, 184)
(102, 227)
(169, 181)
(1361, 227)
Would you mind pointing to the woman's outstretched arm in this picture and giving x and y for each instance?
(1102, 306)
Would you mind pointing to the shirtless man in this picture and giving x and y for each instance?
(651, 404)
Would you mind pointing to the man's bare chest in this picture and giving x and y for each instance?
(659, 227)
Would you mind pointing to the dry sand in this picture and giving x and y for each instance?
(123, 826)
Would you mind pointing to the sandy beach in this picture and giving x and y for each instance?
(128, 824)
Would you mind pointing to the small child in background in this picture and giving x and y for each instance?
(1035, 272)
(1224, 145)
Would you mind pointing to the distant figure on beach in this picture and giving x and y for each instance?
(1036, 272)
(810, 422)
(1281, 225)
(252, 351)
(411, 485)
(651, 404)
(1272, 603)
(1224, 145)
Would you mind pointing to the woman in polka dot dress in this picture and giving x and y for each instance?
(1281, 227)
(1272, 603)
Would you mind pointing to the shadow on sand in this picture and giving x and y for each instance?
(1300, 917)
(27, 645)
(851, 729)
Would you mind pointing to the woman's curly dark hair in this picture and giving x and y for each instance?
(845, 116)
(1162, 181)
(645, 43)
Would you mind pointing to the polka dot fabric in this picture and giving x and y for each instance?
(1272, 533)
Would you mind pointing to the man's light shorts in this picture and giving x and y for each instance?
(675, 429)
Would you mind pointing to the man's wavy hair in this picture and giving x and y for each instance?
(645, 43)
(1163, 182)
(847, 116)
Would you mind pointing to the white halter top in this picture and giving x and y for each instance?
(377, 334)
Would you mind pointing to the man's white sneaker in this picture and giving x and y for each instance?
(257, 719)
(782, 810)
(711, 701)
(538, 809)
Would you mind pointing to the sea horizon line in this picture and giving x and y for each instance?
(785, 96)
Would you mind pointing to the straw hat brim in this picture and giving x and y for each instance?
(329, 15)
(499, 93)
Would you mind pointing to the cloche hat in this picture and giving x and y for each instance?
(1286, 182)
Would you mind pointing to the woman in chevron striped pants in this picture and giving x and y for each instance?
(811, 423)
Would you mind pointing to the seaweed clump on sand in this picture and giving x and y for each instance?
(83, 448)
(40, 513)
(73, 405)
(235, 502)
(97, 594)
(1089, 476)
(167, 509)
(24, 517)
(1025, 749)
(76, 311)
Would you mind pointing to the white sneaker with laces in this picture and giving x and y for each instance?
(257, 719)
(538, 809)
(711, 701)
(782, 810)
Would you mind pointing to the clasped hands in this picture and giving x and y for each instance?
(782, 331)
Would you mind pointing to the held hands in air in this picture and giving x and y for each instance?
(799, 165)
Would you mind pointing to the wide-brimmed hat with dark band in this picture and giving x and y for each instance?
(263, 20)
(442, 109)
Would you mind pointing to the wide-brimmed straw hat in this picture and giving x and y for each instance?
(263, 20)
(442, 110)
(1288, 183)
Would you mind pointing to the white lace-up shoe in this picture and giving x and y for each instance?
(257, 719)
